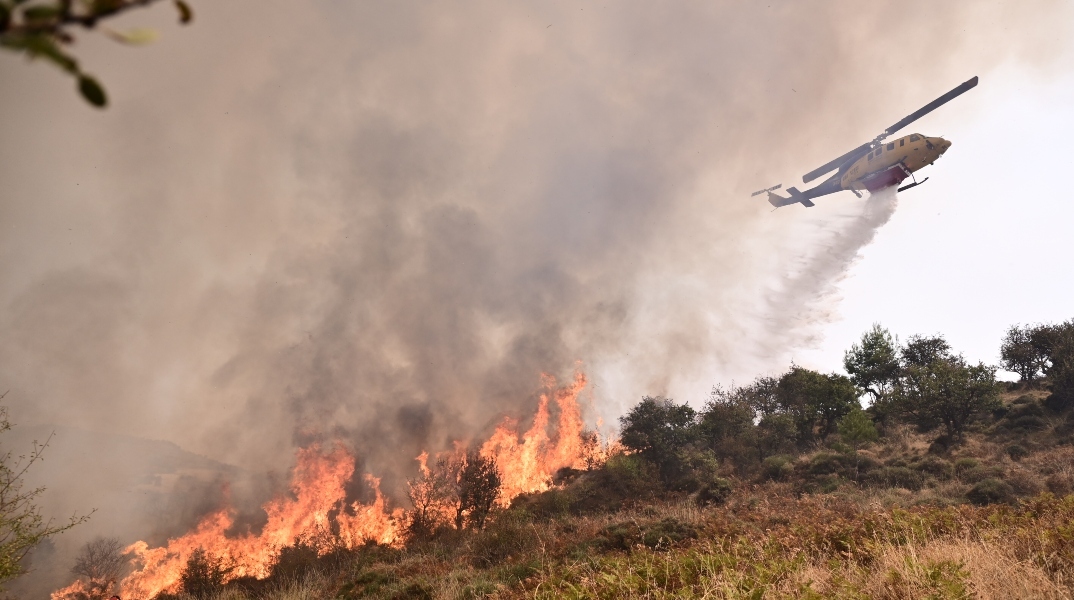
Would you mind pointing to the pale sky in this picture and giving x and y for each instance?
(986, 242)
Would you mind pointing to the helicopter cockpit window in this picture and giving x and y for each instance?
(915, 138)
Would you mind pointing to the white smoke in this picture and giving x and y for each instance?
(809, 289)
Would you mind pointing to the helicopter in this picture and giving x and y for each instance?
(877, 164)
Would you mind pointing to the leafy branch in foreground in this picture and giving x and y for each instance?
(42, 29)
(21, 525)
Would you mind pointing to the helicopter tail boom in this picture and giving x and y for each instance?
(796, 197)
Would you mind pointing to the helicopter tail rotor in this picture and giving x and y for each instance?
(759, 192)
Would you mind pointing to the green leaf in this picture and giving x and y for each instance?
(92, 91)
(100, 7)
(186, 15)
(40, 44)
(38, 14)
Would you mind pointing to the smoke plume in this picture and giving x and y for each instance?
(383, 221)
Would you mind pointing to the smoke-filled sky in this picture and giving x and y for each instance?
(386, 220)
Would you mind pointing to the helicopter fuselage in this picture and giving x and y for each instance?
(889, 164)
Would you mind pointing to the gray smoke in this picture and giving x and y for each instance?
(383, 221)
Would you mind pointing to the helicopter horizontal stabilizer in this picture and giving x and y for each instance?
(796, 197)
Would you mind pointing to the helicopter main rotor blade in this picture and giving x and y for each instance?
(931, 106)
(862, 149)
(835, 163)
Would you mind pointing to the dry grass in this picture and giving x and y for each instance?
(765, 543)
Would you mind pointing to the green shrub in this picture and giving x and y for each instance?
(618, 536)
(416, 590)
(1024, 400)
(1029, 423)
(864, 464)
(550, 504)
(666, 533)
(517, 572)
(715, 492)
(506, 537)
(624, 479)
(901, 477)
(658, 536)
(990, 491)
(479, 589)
(1017, 452)
(934, 466)
(822, 484)
(367, 583)
(826, 463)
(204, 574)
(964, 464)
(777, 468)
(977, 474)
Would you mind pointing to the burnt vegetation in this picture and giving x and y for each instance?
(917, 474)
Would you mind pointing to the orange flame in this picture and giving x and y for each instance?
(528, 465)
(82, 589)
(317, 512)
(318, 481)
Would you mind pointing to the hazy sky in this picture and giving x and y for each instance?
(982, 245)
(383, 221)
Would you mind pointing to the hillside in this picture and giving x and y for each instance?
(900, 518)
(949, 484)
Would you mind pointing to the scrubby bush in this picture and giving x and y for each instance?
(293, 562)
(934, 466)
(990, 491)
(826, 463)
(1016, 452)
(666, 533)
(857, 429)
(657, 535)
(715, 492)
(777, 468)
(696, 468)
(1061, 366)
(1028, 423)
(204, 574)
(901, 477)
(479, 487)
(659, 430)
(815, 401)
(509, 536)
(1060, 484)
(623, 479)
(980, 473)
(549, 504)
(1024, 482)
(945, 391)
(368, 583)
(963, 465)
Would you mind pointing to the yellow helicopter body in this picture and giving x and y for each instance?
(877, 164)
